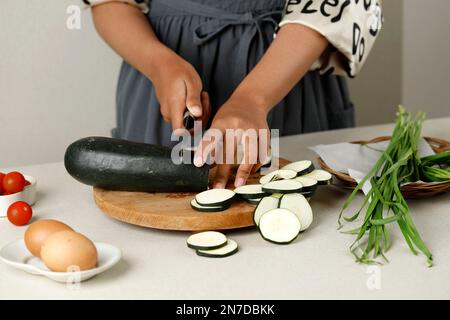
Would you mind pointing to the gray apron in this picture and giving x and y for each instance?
(224, 40)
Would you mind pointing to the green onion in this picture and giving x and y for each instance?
(437, 159)
(436, 167)
(432, 174)
(384, 204)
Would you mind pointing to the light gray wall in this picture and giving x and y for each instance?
(56, 84)
(426, 57)
(409, 64)
(377, 90)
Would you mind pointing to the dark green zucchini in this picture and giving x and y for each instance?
(130, 166)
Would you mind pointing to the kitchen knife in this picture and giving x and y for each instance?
(188, 120)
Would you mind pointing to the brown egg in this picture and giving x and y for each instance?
(39, 231)
(67, 251)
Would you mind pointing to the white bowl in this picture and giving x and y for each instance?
(16, 255)
(28, 195)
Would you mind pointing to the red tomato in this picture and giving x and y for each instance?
(2, 175)
(27, 183)
(13, 182)
(19, 213)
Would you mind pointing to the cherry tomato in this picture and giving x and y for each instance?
(19, 213)
(2, 175)
(13, 182)
(27, 183)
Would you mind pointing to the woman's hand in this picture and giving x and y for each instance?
(178, 86)
(288, 58)
(240, 122)
(127, 30)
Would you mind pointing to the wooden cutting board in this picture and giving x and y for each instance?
(172, 211)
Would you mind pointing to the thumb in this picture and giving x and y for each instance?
(193, 99)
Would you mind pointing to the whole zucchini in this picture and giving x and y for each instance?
(130, 166)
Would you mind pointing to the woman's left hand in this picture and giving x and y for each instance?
(239, 121)
(288, 58)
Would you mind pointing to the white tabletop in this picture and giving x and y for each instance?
(158, 265)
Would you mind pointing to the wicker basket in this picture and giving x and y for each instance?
(410, 191)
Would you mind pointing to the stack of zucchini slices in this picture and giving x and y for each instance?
(212, 244)
(281, 198)
(281, 219)
(213, 200)
(297, 177)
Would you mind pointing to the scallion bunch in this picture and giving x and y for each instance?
(384, 204)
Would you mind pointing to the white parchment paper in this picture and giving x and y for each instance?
(357, 160)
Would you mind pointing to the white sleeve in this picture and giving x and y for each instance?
(350, 26)
(141, 4)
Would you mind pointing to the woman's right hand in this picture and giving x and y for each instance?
(178, 86)
(176, 81)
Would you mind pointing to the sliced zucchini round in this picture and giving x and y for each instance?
(207, 240)
(251, 191)
(308, 194)
(254, 201)
(215, 197)
(309, 184)
(301, 167)
(283, 186)
(277, 175)
(298, 204)
(197, 207)
(267, 163)
(227, 250)
(266, 204)
(277, 195)
(279, 226)
(323, 177)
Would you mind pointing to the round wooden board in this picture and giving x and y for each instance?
(172, 211)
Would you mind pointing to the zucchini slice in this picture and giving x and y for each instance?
(266, 204)
(197, 207)
(301, 167)
(254, 201)
(309, 184)
(277, 175)
(268, 162)
(207, 240)
(323, 177)
(215, 197)
(283, 186)
(277, 195)
(308, 195)
(279, 226)
(297, 203)
(251, 191)
(227, 250)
